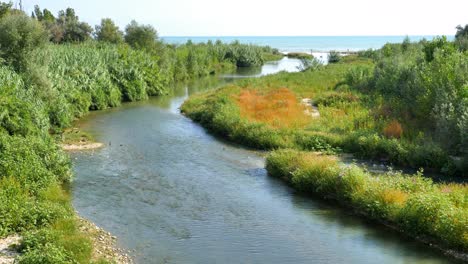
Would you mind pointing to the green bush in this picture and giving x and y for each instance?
(63, 241)
(19, 36)
(334, 57)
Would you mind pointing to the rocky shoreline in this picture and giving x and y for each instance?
(8, 252)
(104, 244)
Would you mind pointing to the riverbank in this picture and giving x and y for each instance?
(104, 247)
(45, 87)
(73, 139)
(350, 120)
(104, 244)
(434, 214)
(266, 113)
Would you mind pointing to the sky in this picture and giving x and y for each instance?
(274, 17)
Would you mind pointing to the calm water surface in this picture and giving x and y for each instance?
(171, 193)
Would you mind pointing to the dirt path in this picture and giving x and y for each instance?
(311, 109)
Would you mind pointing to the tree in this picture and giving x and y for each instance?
(461, 31)
(43, 15)
(48, 16)
(72, 29)
(5, 8)
(461, 37)
(108, 32)
(37, 14)
(438, 43)
(19, 35)
(141, 36)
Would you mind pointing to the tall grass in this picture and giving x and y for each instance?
(414, 204)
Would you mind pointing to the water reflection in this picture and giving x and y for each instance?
(271, 67)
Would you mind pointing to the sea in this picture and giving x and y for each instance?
(309, 44)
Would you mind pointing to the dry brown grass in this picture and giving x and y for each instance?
(279, 108)
(393, 130)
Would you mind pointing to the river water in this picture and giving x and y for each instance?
(172, 193)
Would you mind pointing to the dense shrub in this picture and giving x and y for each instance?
(59, 244)
(334, 57)
(393, 130)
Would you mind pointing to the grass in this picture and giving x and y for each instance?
(349, 120)
(270, 56)
(414, 204)
(299, 55)
(278, 108)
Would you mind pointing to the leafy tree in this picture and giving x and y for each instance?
(108, 31)
(461, 37)
(73, 30)
(48, 16)
(5, 8)
(19, 35)
(141, 36)
(37, 13)
(438, 43)
(406, 44)
(462, 31)
(43, 15)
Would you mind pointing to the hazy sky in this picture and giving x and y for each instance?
(274, 17)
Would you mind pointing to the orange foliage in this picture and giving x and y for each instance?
(393, 130)
(278, 108)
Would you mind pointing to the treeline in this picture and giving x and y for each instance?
(54, 69)
(423, 86)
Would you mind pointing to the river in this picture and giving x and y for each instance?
(172, 193)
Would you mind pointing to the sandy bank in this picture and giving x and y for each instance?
(85, 146)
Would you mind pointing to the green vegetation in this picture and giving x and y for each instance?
(334, 57)
(392, 108)
(18, 36)
(406, 104)
(414, 204)
(299, 55)
(51, 73)
(107, 31)
(141, 36)
(461, 37)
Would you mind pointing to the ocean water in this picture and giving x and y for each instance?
(307, 43)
